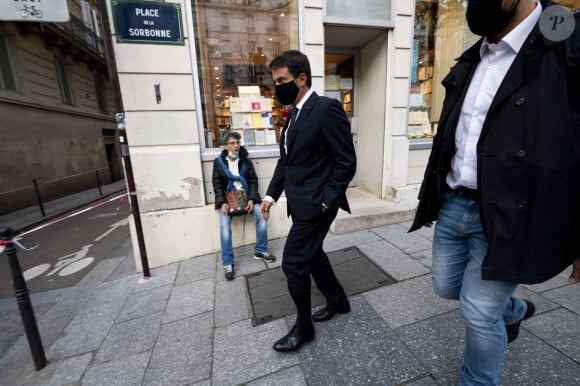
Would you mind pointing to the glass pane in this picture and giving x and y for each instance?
(339, 79)
(360, 12)
(7, 77)
(440, 36)
(235, 42)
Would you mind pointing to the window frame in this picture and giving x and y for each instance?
(7, 75)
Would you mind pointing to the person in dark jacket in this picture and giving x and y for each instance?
(317, 162)
(227, 176)
(503, 178)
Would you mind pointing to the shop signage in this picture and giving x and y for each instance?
(148, 22)
(54, 11)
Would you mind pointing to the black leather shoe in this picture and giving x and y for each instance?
(513, 330)
(294, 340)
(327, 312)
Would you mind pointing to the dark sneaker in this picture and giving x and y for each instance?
(513, 330)
(230, 272)
(268, 258)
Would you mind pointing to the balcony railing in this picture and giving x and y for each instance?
(83, 35)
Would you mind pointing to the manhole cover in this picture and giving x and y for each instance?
(268, 291)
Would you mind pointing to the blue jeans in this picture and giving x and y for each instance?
(226, 235)
(486, 306)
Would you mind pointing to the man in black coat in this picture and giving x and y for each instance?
(317, 161)
(233, 170)
(503, 178)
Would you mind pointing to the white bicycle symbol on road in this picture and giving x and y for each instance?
(65, 265)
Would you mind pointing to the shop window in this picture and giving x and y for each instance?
(7, 80)
(441, 34)
(237, 88)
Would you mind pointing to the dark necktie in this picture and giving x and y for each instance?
(293, 116)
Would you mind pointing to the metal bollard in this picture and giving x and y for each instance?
(23, 300)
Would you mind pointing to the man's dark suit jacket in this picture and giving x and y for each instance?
(321, 160)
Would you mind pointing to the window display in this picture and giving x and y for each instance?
(235, 41)
(441, 35)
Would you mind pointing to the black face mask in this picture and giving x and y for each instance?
(486, 18)
(287, 92)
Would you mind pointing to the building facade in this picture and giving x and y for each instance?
(383, 59)
(57, 131)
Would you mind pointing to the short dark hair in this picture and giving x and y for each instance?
(296, 62)
(232, 134)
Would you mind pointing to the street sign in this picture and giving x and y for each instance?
(55, 11)
(149, 22)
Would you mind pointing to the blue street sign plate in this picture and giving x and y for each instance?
(149, 22)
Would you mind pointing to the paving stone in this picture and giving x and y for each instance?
(408, 302)
(393, 261)
(131, 337)
(145, 302)
(541, 303)
(160, 277)
(113, 291)
(558, 281)
(231, 363)
(11, 328)
(287, 377)
(357, 349)
(69, 371)
(231, 303)
(426, 381)
(86, 331)
(424, 257)
(423, 231)
(123, 372)
(99, 274)
(183, 353)
(190, 299)
(126, 268)
(568, 296)
(336, 242)
(197, 268)
(70, 304)
(438, 343)
(530, 361)
(398, 236)
(560, 328)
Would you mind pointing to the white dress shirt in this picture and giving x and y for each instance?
(299, 107)
(496, 59)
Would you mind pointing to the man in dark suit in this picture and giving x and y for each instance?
(317, 161)
(503, 179)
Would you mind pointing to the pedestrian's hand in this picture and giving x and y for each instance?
(265, 209)
(575, 276)
(250, 206)
(225, 209)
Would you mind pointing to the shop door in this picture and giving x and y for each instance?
(339, 76)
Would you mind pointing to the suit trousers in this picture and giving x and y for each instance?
(303, 256)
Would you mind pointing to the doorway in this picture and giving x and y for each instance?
(339, 83)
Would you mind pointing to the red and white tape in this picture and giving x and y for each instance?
(14, 240)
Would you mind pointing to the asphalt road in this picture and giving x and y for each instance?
(66, 251)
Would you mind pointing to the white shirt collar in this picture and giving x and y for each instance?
(515, 38)
(304, 99)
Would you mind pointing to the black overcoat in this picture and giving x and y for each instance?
(528, 159)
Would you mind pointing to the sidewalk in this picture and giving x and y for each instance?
(187, 325)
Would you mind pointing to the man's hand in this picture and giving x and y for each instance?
(225, 209)
(250, 206)
(265, 209)
(575, 276)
